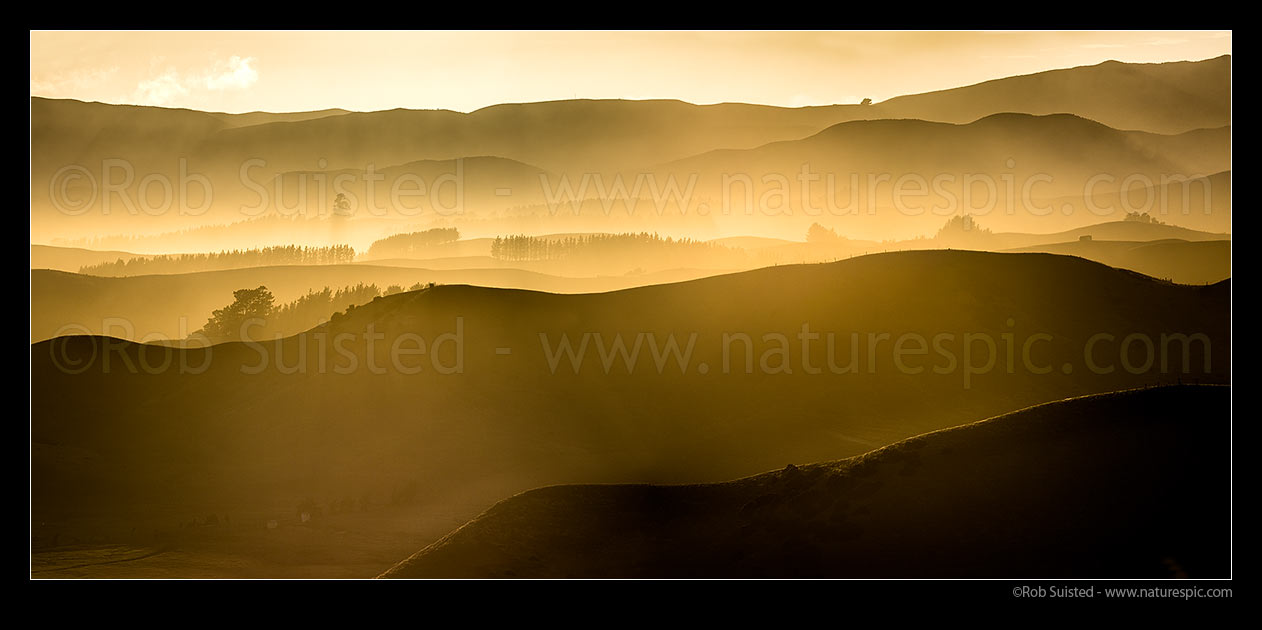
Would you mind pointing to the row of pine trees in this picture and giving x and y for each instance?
(229, 259)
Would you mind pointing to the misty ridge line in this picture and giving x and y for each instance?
(378, 249)
(1139, 232)
(1183, 133)
(221, 274)
(415, 185)
(231, 120)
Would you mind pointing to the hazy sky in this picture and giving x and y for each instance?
(463, 71)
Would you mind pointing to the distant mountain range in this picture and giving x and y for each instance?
(1190, 100)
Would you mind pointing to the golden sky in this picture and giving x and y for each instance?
(296, 71)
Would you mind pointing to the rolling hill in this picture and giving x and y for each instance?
(1199, 203)
(155, 304)
(1109, 231)
(72, 258)
(170, 306)
(1158, 97)
(879, 179)
(124, 431)
(560, 135)
(1203, 262)
(576, 138)
(1133, 484)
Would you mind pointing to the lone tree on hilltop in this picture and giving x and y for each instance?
(342, 205)
(820, 234)
(228, 323)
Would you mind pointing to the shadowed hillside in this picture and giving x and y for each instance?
(1130, 484)
(119, 429)
(1203, 262)
(1160, 97)
(154, 306)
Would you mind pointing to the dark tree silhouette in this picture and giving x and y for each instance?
(962, 224)
(234, 259)
(341, 205)
(1137, 217)
(317, 307)
(226, 324)
(820, 234)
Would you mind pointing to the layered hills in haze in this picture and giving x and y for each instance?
(149, 305)
(552, 143)
(263, 426)
(983, 332)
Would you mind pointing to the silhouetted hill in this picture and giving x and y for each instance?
(261, 118)
(72, 258)
(1161, 97)
(1137, 232)
(577, 135)
(1164, 98)
(122, 429)
(594, 136)
(174, 305)
(155, 303)
(1110, 231)
(1203, 262)
(1133, 484)
(900, 177)
(1198, 203)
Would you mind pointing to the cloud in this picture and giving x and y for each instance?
(161, 90)
(234, 73)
